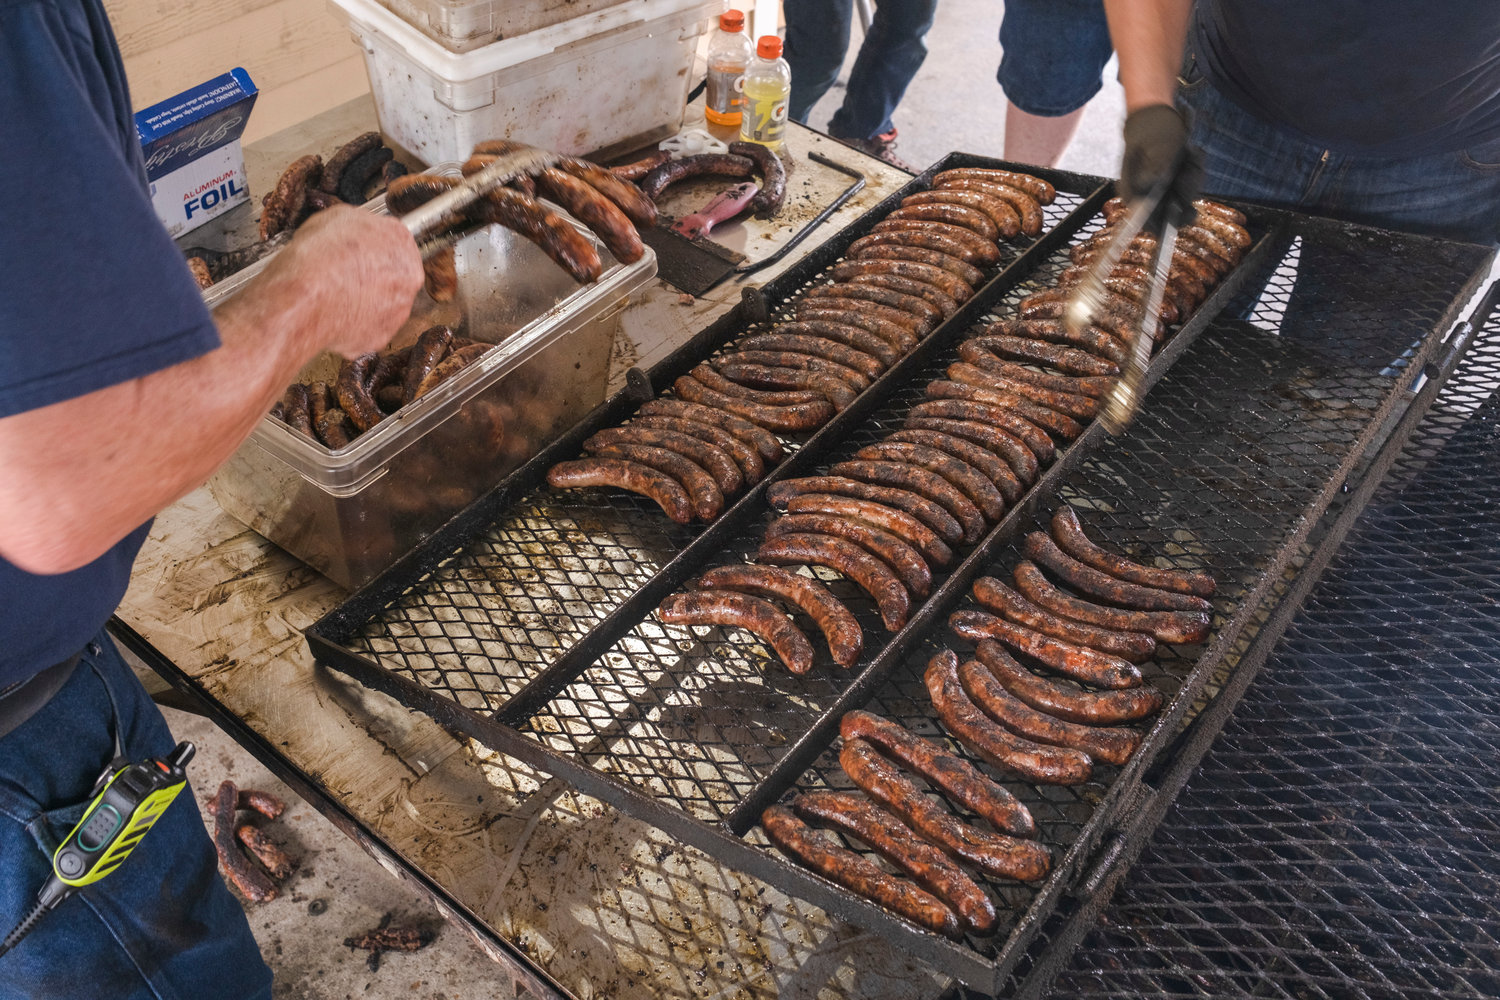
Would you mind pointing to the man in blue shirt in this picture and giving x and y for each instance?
(1375, 111)
(119, 393)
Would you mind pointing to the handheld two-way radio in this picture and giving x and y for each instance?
(126, 802)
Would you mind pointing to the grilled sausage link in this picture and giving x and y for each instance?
(757, 376)
(851, 346)
(1092, 708)
(767, 201)
(1164, 626)
(1012, 754)
(720, 164)
(1068, 532)
(754, 614)
(1073, 405)
(1078, 662)
(944, 303)
(762, 440)
(1133, 646)
(857, 874)
(839, 627)
(709, 376)
(636, 169)
(856, 380)
(1027, 208)
(565, 245)
(890, 549)
(930, 514)
(974, 486)
(717, 462)
(898, 335)
(1039, 189)
(972, 247)
(915, 305)
(1012, 449)
(1091, 339)
(897, 522)
(872, 575)
(1042, 352)
(958, 780)
(960, 406)
(1049, 419)
(918, 480)
(953, 214)
(927, 238)
(910, 268)
(708, 499)
(625, 475)
(894, 840)
(1042, 550)
(994, 854)
(1111, 745)
(1002, 213)
(594, 210)
(352, 388)
(747, 460)
(974, 354)
(990, 465)
(630, 199)
(971, 276)
(800, 417)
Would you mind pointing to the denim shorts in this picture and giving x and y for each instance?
(1450, 194)
(162, 926)
(1052, 54)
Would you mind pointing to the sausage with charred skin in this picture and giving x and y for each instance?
(799, 417)
(1059, 356)
(717, 462)
(893, 840)
(852, 346)
(838, 625)
(1069, 659)
(873, 575)
(995, 854)
(971, 276)
(1042, 550)
(890, 549)
(708, 499)
(1012, 754)
(974, 354)
(625, 475)
(1070, 537)
(996, 596)
(950, 284)
(980, 491)
(945, 304)
(886, 518)
(767, 201)
(751, 465)
(919, 307)
(994, 440)
(918, 480)
(964, 408)
(1164, 626)
(857, 874)
(762, 440)
(991, 466)
(958, 780)
(754, 614)
(1112, 745)
(933, 515)
(1092, 708)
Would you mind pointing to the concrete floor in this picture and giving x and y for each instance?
(338, 891)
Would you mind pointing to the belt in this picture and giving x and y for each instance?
(21, 702)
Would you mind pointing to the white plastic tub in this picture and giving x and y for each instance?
(350, 513)
(464, 25)
(610, 81)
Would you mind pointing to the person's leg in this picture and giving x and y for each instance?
(1053, 54)
(817, 36)
(888, 58)
(162, 926)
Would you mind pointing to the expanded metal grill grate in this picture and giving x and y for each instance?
(1339, 840)
(1261, 414)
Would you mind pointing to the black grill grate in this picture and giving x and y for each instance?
(1339, 840)
(1241, 444)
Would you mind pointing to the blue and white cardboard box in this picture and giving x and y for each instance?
(191, 143)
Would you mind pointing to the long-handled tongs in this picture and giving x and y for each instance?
(439, 223)
(1089, 298)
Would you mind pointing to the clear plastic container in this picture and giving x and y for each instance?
(729, 55)
(350, 513)
(606, 83)
(768, 89)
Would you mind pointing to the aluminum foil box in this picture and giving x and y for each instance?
(191, 144)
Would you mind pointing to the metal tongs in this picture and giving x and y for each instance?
(439, 223)
(1089, 297)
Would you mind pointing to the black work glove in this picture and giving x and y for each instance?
(1157, 152)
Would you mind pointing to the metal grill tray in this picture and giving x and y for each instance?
(1339, 838)
(698, 736)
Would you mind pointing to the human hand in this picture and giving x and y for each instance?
(1157, 154)
(356, 272)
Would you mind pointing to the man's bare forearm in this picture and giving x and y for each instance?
(78, 475)
(1148, 36)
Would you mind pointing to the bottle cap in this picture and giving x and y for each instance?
(732, 21)
(769, 47)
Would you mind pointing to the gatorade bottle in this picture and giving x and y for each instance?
(729, 54)
(768, 85)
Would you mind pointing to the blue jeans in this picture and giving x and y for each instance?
(817, 36)
(1053, 54)
(161, 927)
(1455, 195)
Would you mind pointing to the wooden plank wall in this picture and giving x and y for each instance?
(300, 56)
